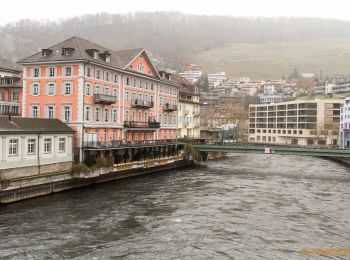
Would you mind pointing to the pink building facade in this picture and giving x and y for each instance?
(109, 98)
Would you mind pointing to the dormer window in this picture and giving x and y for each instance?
(67, 51)
(131, 67)
(46, 52)
(96, 55)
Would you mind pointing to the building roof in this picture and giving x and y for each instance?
(80, 48)
(32, 125)
(7, 65)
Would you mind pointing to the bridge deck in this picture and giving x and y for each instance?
(275, 149)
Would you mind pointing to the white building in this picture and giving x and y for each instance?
(192, 76)
(344, 133)
(312, 122)
(215, 79)
(269, 88)
(31, 147)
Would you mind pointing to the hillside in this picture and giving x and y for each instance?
(240, 44)
(273, 60)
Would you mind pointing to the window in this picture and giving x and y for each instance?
(97, 90)
(152, 86)
(96, 55)
(98, 74)
(127, 96)
(51, 89)
(31, 146)
(127, 81)
(47, 145)
(87, 113)
(116, 78)
(13, 147)
(50, 111)
(108, 59)
(97, 114)
(106, 114)
(107, 76)
(126, 115)
(88, 71)
(67, 113)
(160, 118)
(140, 84)
(62, 145)
(88, 89)
(140, 116)
(107, 91)
(67, 89)
(36, 72)
(34, 113)
(52, 72)
(35, 89)
(115, 115)
(140, 67)
(115, 92)
(160, 101)
(146, 84)
(14, 96)
(68, 71)
(134, 82)
(133, 116)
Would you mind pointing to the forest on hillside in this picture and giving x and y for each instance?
(166, 34)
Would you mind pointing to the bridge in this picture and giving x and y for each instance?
(320, 152)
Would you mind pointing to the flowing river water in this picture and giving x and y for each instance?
(242, 207)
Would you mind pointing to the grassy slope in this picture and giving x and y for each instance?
(272, 60)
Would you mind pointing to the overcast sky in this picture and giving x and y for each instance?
(51, 10)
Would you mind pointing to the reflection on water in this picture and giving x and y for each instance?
(242, 207)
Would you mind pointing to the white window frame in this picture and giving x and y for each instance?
(62, 145)
(31, 144)
(88, 89)
(106, 114)
(64, 113)
(13, 147)
(48, 145)
(32, 111)
(97, 112)
(48, 111)
(65, 87)
(115, 115)
(87, 113)
(51, 69)
(48, 85)
(35, 85)
(39, 72)
(65, 71)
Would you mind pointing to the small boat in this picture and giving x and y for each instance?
(268, 150)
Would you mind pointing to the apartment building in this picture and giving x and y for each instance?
(215, 79)
(312, 122)
(108, 97)
(344, 134)
(188, 109)
(10, 88)
(192, 76)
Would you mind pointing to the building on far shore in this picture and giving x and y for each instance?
(32, 147)
(344, 133)
(298, 122)
(215, 79)
(192, 76)
(10, 88)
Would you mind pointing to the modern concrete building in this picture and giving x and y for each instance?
(33, 147)
(192, 76)
(331, 88)
(312, 122)
(344, 133)
(215, 79)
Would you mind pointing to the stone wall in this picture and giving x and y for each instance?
(24, 172)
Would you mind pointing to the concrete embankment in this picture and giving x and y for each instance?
(343, 161)
(21, 189)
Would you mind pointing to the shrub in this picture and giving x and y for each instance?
(110, 161)
(79, 168)
(101, 162)
(90, 160)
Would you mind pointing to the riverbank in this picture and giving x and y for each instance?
(26, 188)
(342, 161)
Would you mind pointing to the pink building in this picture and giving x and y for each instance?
(111, 98)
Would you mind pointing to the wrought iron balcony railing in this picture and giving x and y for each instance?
(169, 107)
(135, 124)
(104, 99)
(138, 103)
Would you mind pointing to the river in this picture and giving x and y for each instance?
(242, 207)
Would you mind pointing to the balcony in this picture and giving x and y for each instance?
(143, 104)
(128, 144)
(104, 99)
(134, 124)
(169, 107)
